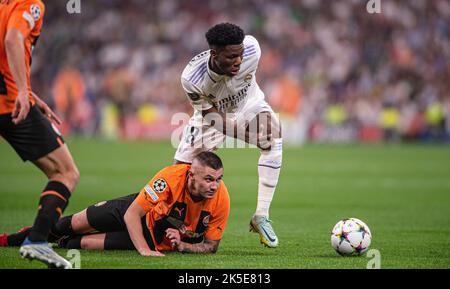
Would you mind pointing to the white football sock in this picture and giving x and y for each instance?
(269, 167)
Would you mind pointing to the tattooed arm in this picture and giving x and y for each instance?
(207, 246)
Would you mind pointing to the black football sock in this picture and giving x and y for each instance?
(73, 242)
(63, 227)
(53, 201)
(17, 239)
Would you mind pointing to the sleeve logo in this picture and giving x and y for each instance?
(151, 193)
(159, 185)
(35, 12)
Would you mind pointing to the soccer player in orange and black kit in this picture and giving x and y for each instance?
(26, 124)
(183, 207)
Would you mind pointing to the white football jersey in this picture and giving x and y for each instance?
(205, 88)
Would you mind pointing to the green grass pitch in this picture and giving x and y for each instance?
(401, 191)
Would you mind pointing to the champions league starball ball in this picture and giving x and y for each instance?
(351, 237)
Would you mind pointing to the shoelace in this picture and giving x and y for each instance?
(44, 250)
(266, 224)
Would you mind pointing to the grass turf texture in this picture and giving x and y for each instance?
(401, 191)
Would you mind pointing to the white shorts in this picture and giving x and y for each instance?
(198, 136)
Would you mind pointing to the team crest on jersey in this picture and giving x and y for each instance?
(35, 12)
(248, 77)
(206, 221)
(159, 185)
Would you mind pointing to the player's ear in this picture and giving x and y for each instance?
(213, 52)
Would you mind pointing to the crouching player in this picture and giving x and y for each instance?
(184, 208)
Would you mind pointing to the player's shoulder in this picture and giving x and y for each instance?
(199, 58)
(250, 43)
(251, 47)
(195, 70)
(250, 40)
(173, 175)
(33, 10)
(175, 170)
(35, 6)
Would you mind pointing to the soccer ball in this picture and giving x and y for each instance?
(351, 237)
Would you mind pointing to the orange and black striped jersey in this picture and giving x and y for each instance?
(168, 204)
(25, 16)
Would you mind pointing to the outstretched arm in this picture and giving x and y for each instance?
(133, 221)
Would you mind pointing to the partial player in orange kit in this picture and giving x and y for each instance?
(26, 124)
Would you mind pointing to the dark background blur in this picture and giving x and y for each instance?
(334, 72)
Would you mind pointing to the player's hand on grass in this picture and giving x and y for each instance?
(46, 110)
(21, 107)
(174, 237)
(151, 253)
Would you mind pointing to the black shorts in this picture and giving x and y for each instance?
(33, 138)
(108, 217)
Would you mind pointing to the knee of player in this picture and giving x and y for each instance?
(75, 174)
(272, 159)
(275, 128)
(71, 174)
(93, 242)
(66, 173)
(88, 244)
(71, 171)
(274, 149)
(79, 222)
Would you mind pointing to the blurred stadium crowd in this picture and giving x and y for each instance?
(333, 71)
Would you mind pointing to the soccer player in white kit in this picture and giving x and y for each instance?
(220, 83)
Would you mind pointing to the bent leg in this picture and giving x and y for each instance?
(72, 225)
(93, 242)
(63, 176)
(265, 131)
(88, 242)
(119, 240)
(102, 217)
(269, 164)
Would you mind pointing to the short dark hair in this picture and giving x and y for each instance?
(209, 159)
(224, 34)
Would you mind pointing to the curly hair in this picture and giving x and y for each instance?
(224, 34)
